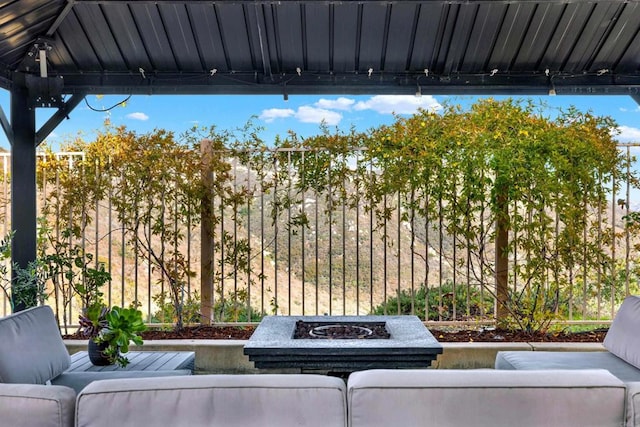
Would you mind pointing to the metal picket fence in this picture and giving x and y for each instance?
(341, 261)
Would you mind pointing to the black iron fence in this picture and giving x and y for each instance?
(311, 250)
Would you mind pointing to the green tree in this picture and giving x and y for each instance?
(530, 174)
(158, 190)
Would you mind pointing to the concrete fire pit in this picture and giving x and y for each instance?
(409, 345)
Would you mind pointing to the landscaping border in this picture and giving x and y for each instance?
(226, 356)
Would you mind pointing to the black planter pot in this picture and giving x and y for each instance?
(96, 355)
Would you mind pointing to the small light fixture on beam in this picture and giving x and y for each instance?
(370, 72)
(552, 88)
(299, 71)
(419, 92)
(42, 48)
(42, 54)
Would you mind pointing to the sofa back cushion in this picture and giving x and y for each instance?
(31, 348)
(623, 338)
(28, 405)
(215, 400)
(449, 397)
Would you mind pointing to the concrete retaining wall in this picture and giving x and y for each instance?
(226, 356)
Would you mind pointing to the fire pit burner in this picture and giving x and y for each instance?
(340, 330)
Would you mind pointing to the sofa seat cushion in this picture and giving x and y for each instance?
(215, 400)
(623, 337)
(79, 380)
(29, 405)
(493, 398)
(528, 360)
(32, 350)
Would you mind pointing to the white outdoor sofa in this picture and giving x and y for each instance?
(590, 397)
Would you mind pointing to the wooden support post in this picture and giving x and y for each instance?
(206, 234)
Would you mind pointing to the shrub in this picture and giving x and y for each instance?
(439, 310)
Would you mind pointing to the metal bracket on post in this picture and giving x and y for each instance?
(63, 113)
(44, 91)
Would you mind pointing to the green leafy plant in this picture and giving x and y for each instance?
(235, 307)
(533, 309)
(27, 288)
(117, 327)
(93, 320)
(166, 312)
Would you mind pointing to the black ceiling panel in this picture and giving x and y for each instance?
(235, 36)
(623, 32)
(483, 37)
(290, 36)
(428, 37)
(401, 34)
(181, 37)
(565, 36)
(364, 46)
(318, 33)
(538, 37)
(374, 33)
(101, 37)
(346, 37)
(155, 37)
(77, 43)
(511, 36)
(208, 37)
(127, 37)
(592, 37)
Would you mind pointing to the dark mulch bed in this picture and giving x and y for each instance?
(480, 335)
(498, 335)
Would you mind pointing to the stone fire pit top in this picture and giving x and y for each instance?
(407, 333)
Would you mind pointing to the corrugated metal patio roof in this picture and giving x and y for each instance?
(309, 46)
(50, 49)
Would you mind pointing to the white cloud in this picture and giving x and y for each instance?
(341, 103)
(307, 114)
(633, 110)
(399, 104)
(138, 116)
(275, 113)
(628, 134)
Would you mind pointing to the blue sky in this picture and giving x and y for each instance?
(302, 114)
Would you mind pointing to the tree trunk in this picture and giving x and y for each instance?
(206, 235)
(502, 256)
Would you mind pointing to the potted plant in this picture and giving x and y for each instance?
(110, 331)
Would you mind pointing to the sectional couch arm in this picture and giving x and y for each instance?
(28, 405)
(633, 404)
